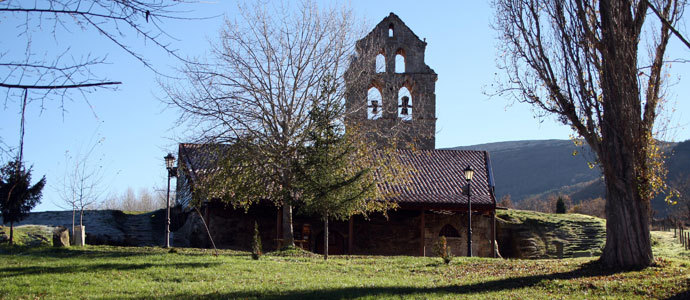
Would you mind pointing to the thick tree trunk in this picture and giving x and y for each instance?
(288, 236)
(325, 238)
(627, 228)
(11, 233)
(624, 141)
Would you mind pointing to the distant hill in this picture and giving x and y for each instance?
(524, 169)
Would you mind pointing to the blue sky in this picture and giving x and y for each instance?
(138, 130)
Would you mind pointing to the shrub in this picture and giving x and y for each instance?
(560, 206)
(256, 243)
(443, 250)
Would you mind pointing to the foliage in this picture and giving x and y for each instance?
(578, 61)
(549, 204)
(256, 243)
(442, 249)
(142, 201)
(97, 272)
(264, 76)
(560, 205)
(593, 207)
(17, 196)
(334, 175)
(506, 202)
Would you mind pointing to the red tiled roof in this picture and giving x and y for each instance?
(437, 180)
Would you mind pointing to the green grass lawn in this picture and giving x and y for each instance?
(104, 272)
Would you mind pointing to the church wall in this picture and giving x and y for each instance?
(398, 234)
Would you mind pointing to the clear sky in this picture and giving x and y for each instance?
(138, 130)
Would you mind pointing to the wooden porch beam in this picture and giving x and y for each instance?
(421, 234)
(350, 237)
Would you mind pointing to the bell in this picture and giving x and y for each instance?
(374, 107)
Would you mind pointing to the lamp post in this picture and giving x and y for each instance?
(468, 176)
(172, 172)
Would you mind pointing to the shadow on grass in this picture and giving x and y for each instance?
(33, 270)
(55, 252)
(587, 270)
(107, 252)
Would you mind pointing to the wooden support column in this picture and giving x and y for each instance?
(493, 233)
(350, 237)
(421, 234)
(279, 222)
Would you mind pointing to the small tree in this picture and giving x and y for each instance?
(17, 196)
(256, 243)
(82, 183)
(334, 174)
(560, 206)
(443, 250)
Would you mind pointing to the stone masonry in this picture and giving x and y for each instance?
(392, 38)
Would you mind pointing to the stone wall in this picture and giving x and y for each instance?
(417, 131)
(108, 227)
(397, 234)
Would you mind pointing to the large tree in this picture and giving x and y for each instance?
(599, 67)
(17, 195)
(256, 90)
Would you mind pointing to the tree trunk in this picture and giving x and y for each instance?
(624, 141)
(288, 237)
(628, 242)
(74, 213)
(11, 233)
(325, 238)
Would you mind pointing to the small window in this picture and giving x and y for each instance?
(374, 104)
(449, 231)
(404, 104)
(380, 63)
(399, 63)
(390, 30)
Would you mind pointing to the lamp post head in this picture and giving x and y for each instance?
(169, 161)
(469, 172)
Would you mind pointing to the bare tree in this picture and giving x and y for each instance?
(33, 72)
(143, 200)
(256, 92)
(581, 61)
(44, 73)
(82, 185)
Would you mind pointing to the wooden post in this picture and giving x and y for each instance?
(350, 237)
(493, 233)
(279, 222)
(421, 234)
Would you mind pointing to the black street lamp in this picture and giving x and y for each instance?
(172, 172)
(468, 176)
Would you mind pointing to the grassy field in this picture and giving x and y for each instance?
(103, 272)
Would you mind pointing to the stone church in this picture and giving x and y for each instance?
(390, 97)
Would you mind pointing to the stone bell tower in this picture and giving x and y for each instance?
(390, 90)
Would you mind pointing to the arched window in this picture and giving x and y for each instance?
(380, 63)
(449, 231)
(400, 61)
(404, 104)
(390, 30)
(374, 104)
